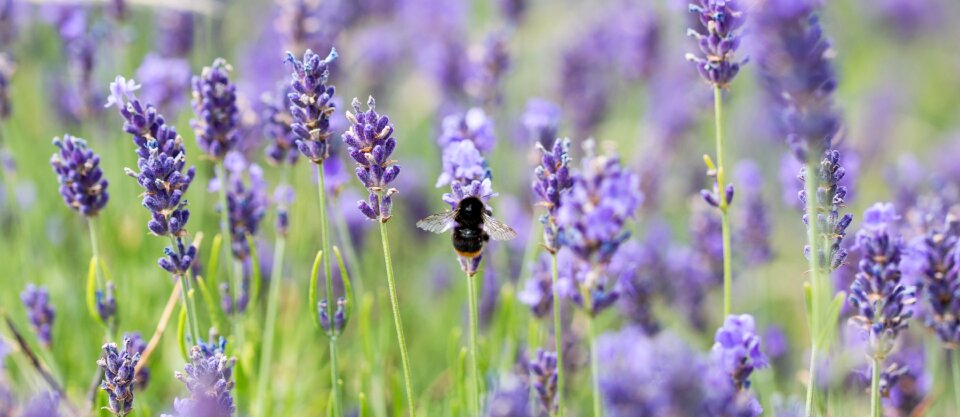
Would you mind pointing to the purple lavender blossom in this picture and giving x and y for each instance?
(584, 94)
(42, 405)
(936, 255)
(370, 143)
(174, 33)
(540, 122)
(722, 20)
(510, 399)
(736, 349)
(7, 68)
(635, 266)
(39, 312)
(215, 107)
(543, 371)
(311, 103)
(878, 293)
(755, 234)
(830, 199)
(137, 346)
(246, 201)
(339, 316)
(82, 185)
(164, 81)
(118, 367)
(552, 179)
(283, 197)
(209, 378)
(473, 126)
(513, 10)
(312, 24)
(706, 243)
(106, 302)
(489, 69)
(909, 18)
(639, 31)
(797, 73)
(8, 27)
(161, 158)
(537, 292)
(281, 142)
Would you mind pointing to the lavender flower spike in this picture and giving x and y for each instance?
(209, 378)
(552, 178)
(881, 298)
(82, 185)
(830, 199)
(938, 255)
(118, 376)
(736, 349)
(370, 143)
(215, 106)
(246, 201)
(544, 372)
(722, 20)
(311, 103)
(39, 312)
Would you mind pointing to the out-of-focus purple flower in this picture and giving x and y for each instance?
(552, 179)
(118, 367)
(797, 73)
(7, 68)
(489, 69)
(246, 201)
(106, 302)
(312, 24)
(339, 316)
(42, 405)
(281, 142)
(634, 266)
(881, 299)
(8, 29)
(543, 371)
(40, 312)
(209, 378)
(174, 33)
(830, 198)
(736, 349)
(473, 126)
(370, 143)
(164, 81)
(937, 258)
(639, 31)
(283, 197)
(722, 20)
(82, 185)
(755, 234)
(215, 107)
(908, 18)
(706, 242)
(137, 346)
(537, 292)
(585, 94)
(311, 103)
(540, 122)
(161, 159)
(510, 399)
(513, 10)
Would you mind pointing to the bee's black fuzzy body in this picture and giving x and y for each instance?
(468, 234)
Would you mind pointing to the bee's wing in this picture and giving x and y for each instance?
(437, 223)
(496, 229)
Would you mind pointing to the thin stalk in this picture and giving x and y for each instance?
(395, 306)
(340, 228)
(557, 333)
(875, 410)
(724, 204)
(594, 367)
(474, 367)
(237, 292)
(95, 248)
(325, 241)
(810, 182)
(188, 305)
(955, 367)
(273, 303)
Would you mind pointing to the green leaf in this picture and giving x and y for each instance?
(312, 291)
(347, 288)
(828, 328)
(254, 271)
(181, 332)
(92, 291)
(213, 309)
(362, 404)
(214, 261)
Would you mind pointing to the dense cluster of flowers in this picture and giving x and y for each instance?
(551, 179)
(937, 257)
(161, 158)
(215, 107)
(722, 20)
(311, 103)
(882, 300)
(118, 366)
(370, 143)
(82, 184)
(39, 312)
(209, 379)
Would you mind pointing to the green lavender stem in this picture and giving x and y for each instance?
(955, 367)
(395, 306)
(724, 204)
(875, 410)
(594, 367)
(474, 367)
(810, 182)
(557, 332)
(325, 241)
(273, 303)
(189, 306)
(95, 248)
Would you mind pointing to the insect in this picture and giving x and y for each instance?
(473, 225)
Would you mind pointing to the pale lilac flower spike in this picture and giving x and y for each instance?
(121, 90)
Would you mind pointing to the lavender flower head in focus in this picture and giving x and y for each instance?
(552, 179)
(881, 298)
(722, 20)
(215, 106)
(39, 312)
(118, 367)
(370, 143)
(311, 103)
(82, 185)
(831, 226)
(736, 349)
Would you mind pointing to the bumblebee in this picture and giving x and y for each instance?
(473, 225)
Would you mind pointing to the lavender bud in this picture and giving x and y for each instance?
(722, 20)
(118, 376)
(82, 185)
(370, 142)
(311, 103)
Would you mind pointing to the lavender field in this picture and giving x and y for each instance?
(498, 208)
